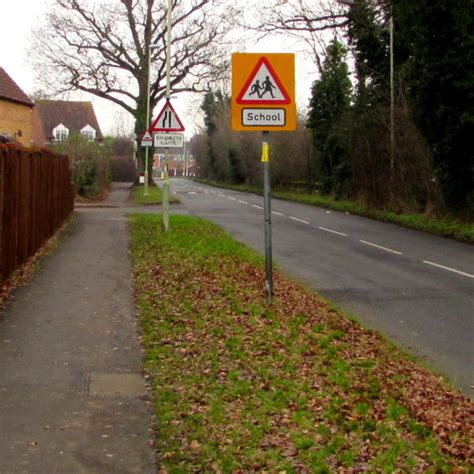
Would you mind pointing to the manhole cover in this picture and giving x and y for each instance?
(126, 385)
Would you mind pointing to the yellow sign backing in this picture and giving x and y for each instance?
(263, 92)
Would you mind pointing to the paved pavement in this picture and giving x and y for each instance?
(72, 397)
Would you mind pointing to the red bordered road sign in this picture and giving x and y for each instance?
(167, 120)
(263, 92)
(263, 86)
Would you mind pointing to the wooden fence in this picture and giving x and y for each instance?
(36, 197)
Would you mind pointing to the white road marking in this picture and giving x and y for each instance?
(396, 252)
(448, 268)
(243, 202)
(116, 218)
(220, 195)
(257, 207)
(231, 198)
(332, 231)
(212, 192)
(277, 213)
(298, 220)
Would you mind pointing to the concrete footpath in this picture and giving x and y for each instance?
(72, 396)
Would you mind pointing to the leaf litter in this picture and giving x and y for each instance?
(240, 386)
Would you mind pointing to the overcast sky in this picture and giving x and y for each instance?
(18, 18)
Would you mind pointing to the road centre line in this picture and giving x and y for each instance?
(396, 252)
(231, 198)
(448, 268)
(277, 213)
(332, 231)
(257, 207)
(243, 202)
(298, 220)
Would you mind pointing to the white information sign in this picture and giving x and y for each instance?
(263, 117)
(169, 140)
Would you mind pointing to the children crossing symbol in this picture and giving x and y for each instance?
(263, 87)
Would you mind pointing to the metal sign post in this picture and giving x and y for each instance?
(166, 195)
(263, 99)
(267, 206)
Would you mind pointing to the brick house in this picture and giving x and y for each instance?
(19, 120)
(60, 118)
(180, 162)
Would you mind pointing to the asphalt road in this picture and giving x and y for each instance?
(415, 288)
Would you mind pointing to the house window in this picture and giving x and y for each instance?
(60, 133)
(88, 132)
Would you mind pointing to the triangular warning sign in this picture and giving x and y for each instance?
(263, 87)
(167, 120)
(147, 137)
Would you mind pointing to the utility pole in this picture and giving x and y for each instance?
(392, 99)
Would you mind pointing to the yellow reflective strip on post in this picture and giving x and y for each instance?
(265, 153)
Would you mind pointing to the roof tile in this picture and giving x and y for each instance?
(73, 115)
(9, 90)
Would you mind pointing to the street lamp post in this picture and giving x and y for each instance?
(166, 182)
(150, 47)
(392, 82)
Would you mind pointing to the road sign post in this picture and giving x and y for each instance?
(263, 99)
(147, 141)
(267, 206)
(167, 121)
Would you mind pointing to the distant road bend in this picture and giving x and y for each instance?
(415, 288)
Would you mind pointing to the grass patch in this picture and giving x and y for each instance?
(155, 196)
(448, 226)
(296, 387)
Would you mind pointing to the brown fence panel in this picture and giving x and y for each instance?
(10, 210)
(23, 208)
(3, 152)
(36, 197)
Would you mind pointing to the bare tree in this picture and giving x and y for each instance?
(305, 20)
(101, 47)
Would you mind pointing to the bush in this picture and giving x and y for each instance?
(89, 162)
(122, 169)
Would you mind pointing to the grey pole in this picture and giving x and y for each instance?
(145, 188)
(392, 98)
(166, 182)
(268, 218)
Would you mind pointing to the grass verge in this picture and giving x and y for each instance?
(444, 227)
(155, 196)
(296, 387)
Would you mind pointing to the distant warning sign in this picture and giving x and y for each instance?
(147, 139)
(263, 92)
(263, 87)
(167, 120)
